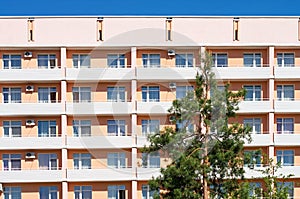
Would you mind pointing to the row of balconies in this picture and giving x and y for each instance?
(125, 142)
(72, 175)
(127, 74)
(125, 108)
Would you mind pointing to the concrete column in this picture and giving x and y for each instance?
(63, 57)
(133, 57)
(202, 54)
(271, 59)
(134, 189)
(271, 98)
(271, 130)
(64, 190)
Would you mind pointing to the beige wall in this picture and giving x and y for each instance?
(99, 124)
(99, 157)
(30, 131)
(30, 164)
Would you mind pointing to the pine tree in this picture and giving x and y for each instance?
(207, 159)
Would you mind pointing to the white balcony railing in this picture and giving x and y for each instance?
(11, 143)
(153, 107)
(262, 106)
(287, 106)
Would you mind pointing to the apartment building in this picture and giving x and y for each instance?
(79, 95)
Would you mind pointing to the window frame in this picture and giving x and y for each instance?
(10, 158)
(8, 92)
(184, 89)
(82, 190)
(10, 60)
(151, 160)
(78, 60)
(256, 89)
(282, 157)
(147, 193)
(116, 94)
(119, 127)
(150, 91)
(116, 160)
(9, 126)
(52, 125)
(49, 191)
(147, 60)
(50, 59)
(82, 158)
(119, 58)
(51, 160)
(254, 124)
(114, 190)
(283, 54)
(215, 59)
(10, 190)
(48, 93)
(81, 90)
(254, 58)
(282, 91)
(255, 158)
(184, 57)
(79, 124)
(149, 125)
(283, 124)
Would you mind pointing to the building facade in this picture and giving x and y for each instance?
(79, 95)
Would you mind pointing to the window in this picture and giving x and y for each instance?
(285, 92)
(11, 95)
(184, 125)
(81, 128)
(285, 59)
(12, 192)
(81, 61)
(252, 158)
(116, 127)
(182, 91)
(151, 60)
(11, 61)
(147, 193)
(150, 93)
(252, 59)
(116, 192)
(47, 128)
(151, 160)
(254, 123)
(82, 160)
(220, 60)
(116, 60)
(83, 192)
(184, 60)
(47, 94)
(286, 157)
(48, 161)
(48, 192)
(285, 125)
(255, 189)
(47, 61)
(11, 162)
(149, 127)
(12, 128)
(253, 93)
(116, 160)
(81, 94)
(116, 94)
(289, 186)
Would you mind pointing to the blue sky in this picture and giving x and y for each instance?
(149, 7)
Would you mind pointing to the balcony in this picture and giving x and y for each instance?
(263, 106)
(24, 176)
(142, 141)
(15, 143)
(99, 142)
(242, 73)
(101, 108)
(147, 173)
(107, 174)
(287, 73)
(286, 139)
(166, 73)
(255, 172)
(153, 107)
(260, 140)
(289, 170)
(37, 109)
(96, 74)
(291, 106)
(30, 75)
